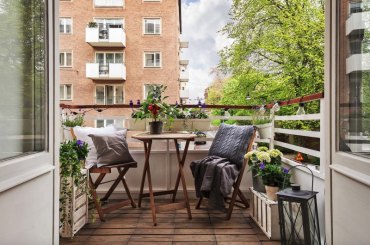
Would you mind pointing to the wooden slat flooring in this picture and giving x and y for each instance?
(133, 226)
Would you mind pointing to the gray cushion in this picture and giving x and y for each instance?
(231, 142)
(111, 148)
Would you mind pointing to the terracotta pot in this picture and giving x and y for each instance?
(155, 127)
(271, 192)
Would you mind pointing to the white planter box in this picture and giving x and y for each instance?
(201, 124)
(135, 124)
(180, 125)
(266, 214)
(68, 133)
(265, 130)
(78, 212)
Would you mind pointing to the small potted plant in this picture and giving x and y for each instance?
(264, 124)
(69, 121)
(156, 110)
(73, 185)
(267, 172)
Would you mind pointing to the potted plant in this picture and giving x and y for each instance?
(156, 110)
(200, 120)
(264, 125)
(266, 170)
(69, 121)
(73, 186)
(92, 24)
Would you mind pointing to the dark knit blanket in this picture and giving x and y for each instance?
(214, 177)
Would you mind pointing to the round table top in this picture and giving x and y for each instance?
(165, 136)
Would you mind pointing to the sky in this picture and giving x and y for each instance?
(201, 21)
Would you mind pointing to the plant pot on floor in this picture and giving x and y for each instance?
(265, 130)
(155, 127)
(271, 192)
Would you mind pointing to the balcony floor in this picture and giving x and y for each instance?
(208, 227)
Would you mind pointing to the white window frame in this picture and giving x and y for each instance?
(65, 59)
(152, 1)
(154, 19)
(65, 91)
(105, 19)
(114, 93)
(155, 65)
(115, 122)
(64, 20)
(105, 56)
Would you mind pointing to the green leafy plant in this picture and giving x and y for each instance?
(71, 156)
(92, 24)
(73, 120)
(267, 164)
(154, 106)
(192, 113)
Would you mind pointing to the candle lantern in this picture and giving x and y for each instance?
(298, 215)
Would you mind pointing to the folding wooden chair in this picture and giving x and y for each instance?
(236, 186)
(103, 171)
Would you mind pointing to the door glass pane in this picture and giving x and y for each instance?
(68, 92)
(149, 59)
(109, 58)
(353, 129)
(100, 58)
(100, 123)
(109, 122)
(22, 70)
(119, 58)
(109, 95)
(119, 95)
(100, 95)
(61, 89)
(157, 59)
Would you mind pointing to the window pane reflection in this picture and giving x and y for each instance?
(22, 72)
(354, 78)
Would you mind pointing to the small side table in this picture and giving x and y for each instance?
(147, 139)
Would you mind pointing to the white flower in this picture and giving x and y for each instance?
(275, 153)
(249, 154)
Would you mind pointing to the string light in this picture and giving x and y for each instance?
(301, 110)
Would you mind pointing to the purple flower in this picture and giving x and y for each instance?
(285, 170)
(80, 143)
(262, 166)
(131, 103)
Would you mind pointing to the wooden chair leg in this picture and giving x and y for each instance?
(96, 199)
(199, 202)
(133, 204)
(243, 198)
(114, 185)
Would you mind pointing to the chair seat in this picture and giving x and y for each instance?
(107, 168)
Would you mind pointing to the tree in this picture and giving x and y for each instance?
(277, 50)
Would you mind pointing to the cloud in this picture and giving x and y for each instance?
(201, 22)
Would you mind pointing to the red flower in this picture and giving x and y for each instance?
(150, 107)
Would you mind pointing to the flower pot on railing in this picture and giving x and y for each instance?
(265, 130)
(135, 124)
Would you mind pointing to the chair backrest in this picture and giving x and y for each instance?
(232, 142)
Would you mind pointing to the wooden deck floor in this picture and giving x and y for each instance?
(208, 227)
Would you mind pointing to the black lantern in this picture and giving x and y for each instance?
(298, 215)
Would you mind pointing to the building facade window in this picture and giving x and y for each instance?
(65, 25)
(109, 94)
(104, 24)
(65, 91)
(108, 3)
(106, 58)
(152, 59)
(354, 79)
(152, 26)
(149, 88)
(65, 59)
(101, 123)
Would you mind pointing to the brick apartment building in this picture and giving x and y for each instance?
(113, 51)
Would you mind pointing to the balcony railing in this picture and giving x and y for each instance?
(184, 74)
(106, 100)
(108, 3)
(184, 94)
(110, 71)
(282, 138)
(110, 37)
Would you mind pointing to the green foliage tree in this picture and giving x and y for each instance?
(277, 50)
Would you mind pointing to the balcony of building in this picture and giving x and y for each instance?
(108, 3)
(184, 94)
(113, 36)
(184, 73)
(111, 71)
(207, 226)
(184, 44)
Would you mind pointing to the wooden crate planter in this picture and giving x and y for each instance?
(135, 124)
(266, 214)
(78, 212)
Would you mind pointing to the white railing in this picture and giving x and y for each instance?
(108, 3)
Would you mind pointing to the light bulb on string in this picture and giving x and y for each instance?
(276, 106)
(262, 109)
(301, 110)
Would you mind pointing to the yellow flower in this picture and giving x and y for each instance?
(263, 148)
(263, 156)
(275, 153)
(249, 154)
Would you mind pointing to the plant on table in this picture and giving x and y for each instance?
(72, 155)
